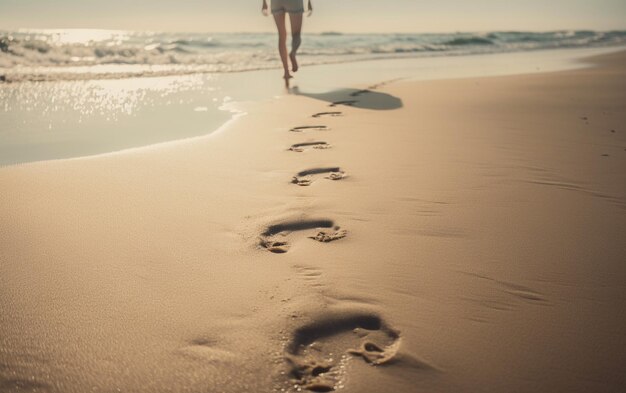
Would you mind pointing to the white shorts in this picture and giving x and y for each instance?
(290, 6)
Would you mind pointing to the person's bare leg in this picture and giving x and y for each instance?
(279, 18)
(296, 39)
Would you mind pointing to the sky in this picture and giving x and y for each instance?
(348, 16)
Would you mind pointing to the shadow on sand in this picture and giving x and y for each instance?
(364, 99)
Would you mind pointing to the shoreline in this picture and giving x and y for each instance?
(483, 251)
(76, 124)
(172, 74)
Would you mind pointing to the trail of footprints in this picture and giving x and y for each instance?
(317, 352)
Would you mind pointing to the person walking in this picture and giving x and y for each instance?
(295, 9)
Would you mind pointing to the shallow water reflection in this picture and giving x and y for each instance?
(50, 120)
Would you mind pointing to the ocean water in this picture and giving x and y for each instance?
(76, 93)
(83, 54)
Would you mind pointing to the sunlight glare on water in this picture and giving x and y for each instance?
(107, 98)
(63, 119)
(81, 36)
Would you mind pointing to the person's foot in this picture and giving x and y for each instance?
(287, 78)
(287, 75)
(294, 62)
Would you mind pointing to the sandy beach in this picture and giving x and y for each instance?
(462, 235)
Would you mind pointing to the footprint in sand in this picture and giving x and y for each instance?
(327, 114)
(318, 352)
(309, 128)
(360, 92)
(345, 102)
(300, 147)
(274, 239)
(305, 178)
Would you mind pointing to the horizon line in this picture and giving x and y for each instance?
(311, 32)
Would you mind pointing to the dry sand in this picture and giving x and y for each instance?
(450, 236)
